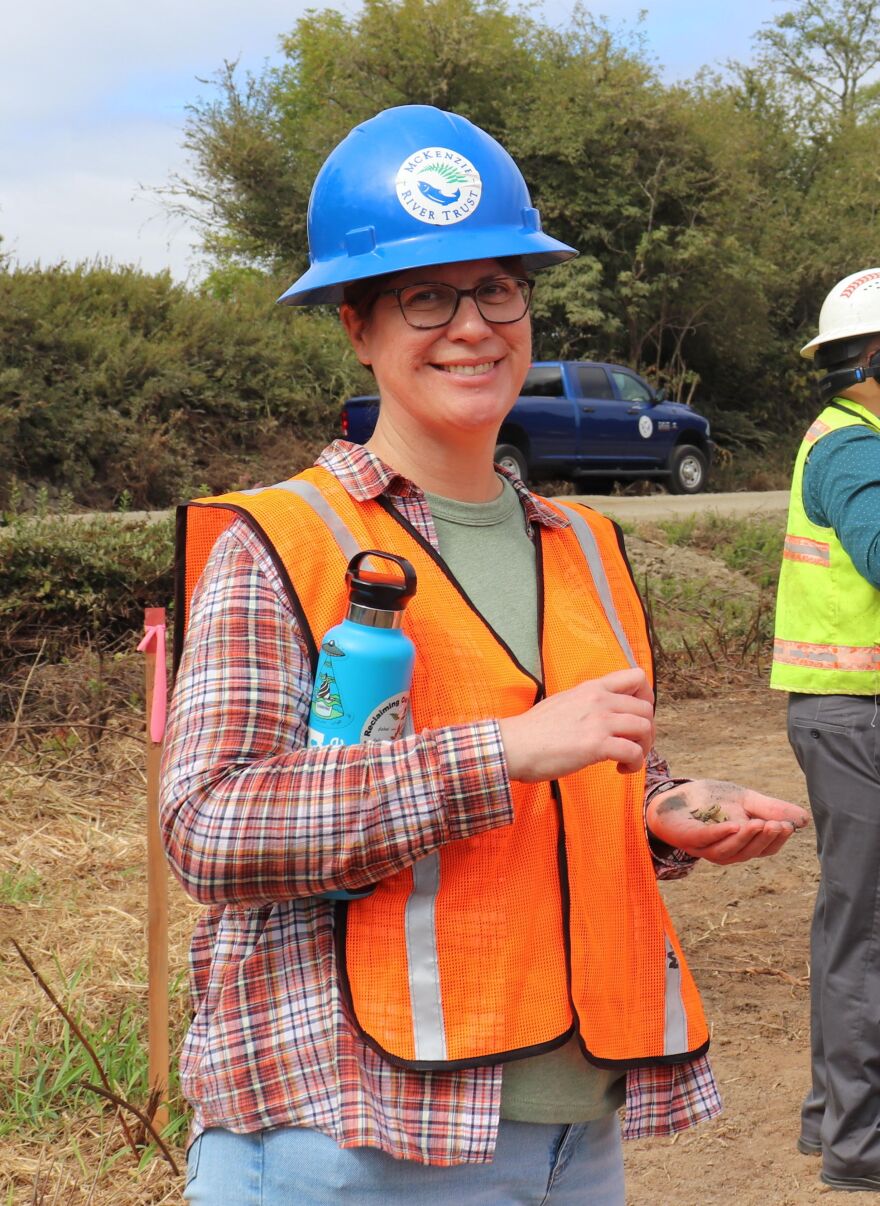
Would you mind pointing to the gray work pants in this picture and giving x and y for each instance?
(836, 739)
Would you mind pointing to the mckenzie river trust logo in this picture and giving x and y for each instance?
(438, 186)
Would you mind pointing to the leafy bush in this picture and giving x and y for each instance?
(68, 578)
(115, 383)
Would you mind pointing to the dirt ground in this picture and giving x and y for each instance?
(744, 927)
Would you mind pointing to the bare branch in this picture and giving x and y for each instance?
(142, 1118)
(79, 1034)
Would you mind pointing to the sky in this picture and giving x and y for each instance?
(93, 104)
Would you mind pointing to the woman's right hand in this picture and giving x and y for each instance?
(603, 718)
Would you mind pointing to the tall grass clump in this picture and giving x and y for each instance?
(751, 547)
(712, 614)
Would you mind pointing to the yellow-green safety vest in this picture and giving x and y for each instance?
(827, 638)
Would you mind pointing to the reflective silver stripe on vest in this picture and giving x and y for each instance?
(675, 1027)
(857, 659)
(801, 548)
(590, 550)
(312, 495)
(422, 956)
(429, 1033)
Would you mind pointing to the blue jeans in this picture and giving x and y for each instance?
(578, 1165)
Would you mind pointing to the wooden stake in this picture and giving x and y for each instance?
(157, 877)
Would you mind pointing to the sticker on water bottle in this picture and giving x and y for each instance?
(327, 703)
(387, 719)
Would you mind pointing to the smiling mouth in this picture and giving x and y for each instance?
(467, 370)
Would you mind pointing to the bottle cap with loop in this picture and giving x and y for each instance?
(378, 599)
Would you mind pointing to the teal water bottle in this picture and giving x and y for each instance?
(365, 665)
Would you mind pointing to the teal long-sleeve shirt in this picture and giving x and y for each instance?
(842, 491)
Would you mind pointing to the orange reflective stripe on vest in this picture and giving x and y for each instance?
(504, 944)
(802, 548)
(850, 658)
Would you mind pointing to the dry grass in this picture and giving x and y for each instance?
(73, 896)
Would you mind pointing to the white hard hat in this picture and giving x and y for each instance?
(852, 308)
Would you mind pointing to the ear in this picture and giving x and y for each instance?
(355, 328)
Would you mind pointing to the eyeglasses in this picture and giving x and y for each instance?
(431, 304)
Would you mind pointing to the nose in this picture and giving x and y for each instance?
(467, 322)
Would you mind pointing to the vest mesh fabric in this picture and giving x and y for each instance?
(827, 615)
(499, 920)
(488, 549)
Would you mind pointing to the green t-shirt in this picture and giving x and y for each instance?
(488, 550)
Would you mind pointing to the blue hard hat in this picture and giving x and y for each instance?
(415, 186)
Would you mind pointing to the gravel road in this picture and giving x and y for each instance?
(748, 504)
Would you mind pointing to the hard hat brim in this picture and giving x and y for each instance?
(849, 331)
(323, 283)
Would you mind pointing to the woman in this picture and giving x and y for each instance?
(468, 1029)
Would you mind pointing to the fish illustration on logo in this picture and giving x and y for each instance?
(438, 186)
(434, 194)
(446, 175)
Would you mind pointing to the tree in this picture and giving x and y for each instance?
(257, 145)
(825, 53)
(708, 217)
(247, 194)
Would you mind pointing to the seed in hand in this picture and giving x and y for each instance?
(712, 815)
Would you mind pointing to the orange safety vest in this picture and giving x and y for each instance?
(502, 945)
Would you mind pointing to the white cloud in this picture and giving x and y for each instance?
(99, 92)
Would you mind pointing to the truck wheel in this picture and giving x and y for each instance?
(689, 470)
(508, 456)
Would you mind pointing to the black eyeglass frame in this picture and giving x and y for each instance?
(526, 287)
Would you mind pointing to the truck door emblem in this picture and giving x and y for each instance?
(646, 427)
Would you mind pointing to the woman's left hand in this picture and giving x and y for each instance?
(689, 817)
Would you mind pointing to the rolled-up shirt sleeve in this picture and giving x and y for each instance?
(669, 862)
(249, 813)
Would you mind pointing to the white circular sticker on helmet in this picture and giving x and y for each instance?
(438, 186)
(646, 427)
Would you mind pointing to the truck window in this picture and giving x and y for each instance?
(630, 388)
(592, 381)
(543, 381)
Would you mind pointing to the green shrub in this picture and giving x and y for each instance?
(114, 382)
(67, 578)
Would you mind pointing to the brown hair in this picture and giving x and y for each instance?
(361, 295)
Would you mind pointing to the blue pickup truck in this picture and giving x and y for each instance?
(592, 422)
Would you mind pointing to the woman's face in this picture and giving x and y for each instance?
(450, 382)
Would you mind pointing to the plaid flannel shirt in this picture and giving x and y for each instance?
(256, 825)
